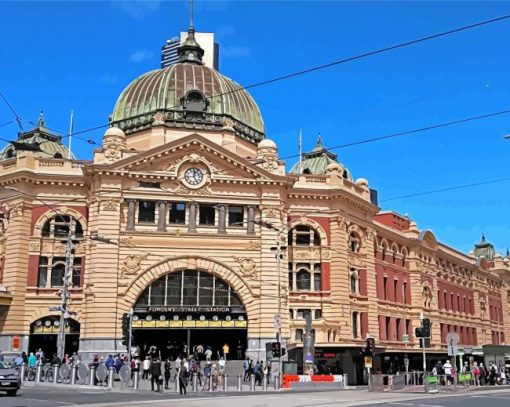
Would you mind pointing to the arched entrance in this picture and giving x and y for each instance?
(184, 309)
(44, 334)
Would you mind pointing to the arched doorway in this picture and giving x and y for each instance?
(184, 309)
(44, 334)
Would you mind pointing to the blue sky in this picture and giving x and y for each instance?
(58, 56)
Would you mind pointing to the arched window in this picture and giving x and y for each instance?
(354, 242)
(354, 280)
(303, 235)
(52, 270)
(303, 280)
(62, 226)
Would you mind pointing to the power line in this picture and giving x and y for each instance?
(343, 61)
(452, 188)
(413, 131)
(6, 124)
(18, 119)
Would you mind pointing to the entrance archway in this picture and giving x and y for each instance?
(44, 334)
(184, 309)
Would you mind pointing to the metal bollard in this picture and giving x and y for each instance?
(264, 383)
(55, 373)
(252, 382)
(176, 382)
(136, 379)
(211, 381)
(22, 371)
(111, 373)
(194, 382)
(73, 375)
(225, 380)
(38, 374)
(92, 375)
(345, 380)
(239, 382)
(277, 382)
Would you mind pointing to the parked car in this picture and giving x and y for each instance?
(10, 380)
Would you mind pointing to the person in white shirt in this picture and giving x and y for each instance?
(448, 371)
(146, 365)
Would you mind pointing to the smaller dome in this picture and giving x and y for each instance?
(267, 143)
(114, 132)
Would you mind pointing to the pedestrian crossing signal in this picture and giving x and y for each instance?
(276, 349)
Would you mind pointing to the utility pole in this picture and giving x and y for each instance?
(66, 281)
(279, 333)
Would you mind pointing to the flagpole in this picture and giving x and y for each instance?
(300, 150)
(70, 136)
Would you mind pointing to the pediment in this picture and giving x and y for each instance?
(171, 159)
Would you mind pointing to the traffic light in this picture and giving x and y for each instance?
(425, 328)
(125, 329)
(370, 347)
(418, 332)
(276, 349)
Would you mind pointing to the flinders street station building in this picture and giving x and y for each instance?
(178, 218)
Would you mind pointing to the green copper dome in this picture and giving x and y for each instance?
(188, 95)
(317, 160)
(41, 141)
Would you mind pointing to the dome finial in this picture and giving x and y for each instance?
(483, 238)
(40, 122)
(319, 141)
(190, 50)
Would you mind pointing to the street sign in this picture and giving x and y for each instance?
(468, 349)
(54, 309)
(277, 321)
(368, 362)
(452, 350)
(405, 338)
(452, 338)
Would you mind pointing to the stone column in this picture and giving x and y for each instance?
(222, 218)
(192, 223)
(131, 214)
(251, 220)
(161, 216)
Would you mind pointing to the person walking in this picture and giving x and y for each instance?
(182, 375)
(146, 365)
(226, 350)
(239, 350)
(168, 372)
(156, 375)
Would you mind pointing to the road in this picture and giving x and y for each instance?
(59, 397)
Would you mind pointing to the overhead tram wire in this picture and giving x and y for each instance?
(18, 119)
(342, 61)
(413, 131)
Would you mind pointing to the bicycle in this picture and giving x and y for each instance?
(30, 373)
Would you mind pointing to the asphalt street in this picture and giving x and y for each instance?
(52, 397)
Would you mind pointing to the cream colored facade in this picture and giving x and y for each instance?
(369, 273)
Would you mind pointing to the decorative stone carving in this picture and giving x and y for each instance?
(16, 211)
(228, 124)
(158, 119)
(34, 246)
(182, 190)
(253, 245)
(132, 264)
(426, 294)
(114, 142)
(247, 266)
(356, 261)
(126, 242)
(110, 205)
(271, 213)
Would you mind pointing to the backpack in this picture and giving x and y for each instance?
(246, 365)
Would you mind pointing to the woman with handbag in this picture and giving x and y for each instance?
(182, 374)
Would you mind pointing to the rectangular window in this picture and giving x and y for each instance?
(220, 293)
(177, 213)
(42, 277)
(298, 335)
(355, 325)
(385, 288)
(318, 314)
(58, 267)
(206, 290)
(76, 278)
(302, 313)
(317, 281)
(207, 215)
(291, 281)
(235, 215)
(399, 329)
(291, 314)
(173, 295)
(404, 292)
(388, 329)
(189, 290)
(395, 290)
(147, 211)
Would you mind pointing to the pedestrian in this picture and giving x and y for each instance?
(207, 377)
(146, 365)
(226, 349)
(200, 352)
(32, 360)
(214, 376)
(483, 374)
(156, 377)
(239, 350)
(246, 366)
(448, 371)
(222, 364)
(208, 354)
(168, 372)
(182, 375)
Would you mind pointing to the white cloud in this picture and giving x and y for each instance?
(137, 9)
(235, 51)
(140, 55)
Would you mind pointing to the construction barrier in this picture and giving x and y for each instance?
(290, 378)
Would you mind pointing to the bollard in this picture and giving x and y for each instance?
(22, 372)
(38, 374)
(111, 373)
(264, 383)
(73, 375)
(345, 380)
(239, 382)
(211, 381)
(136, 379)
(252, 382)
(92, 375)
(55, 373)
(277, 382)
(176, 382)
(194, 382)
(225, 379)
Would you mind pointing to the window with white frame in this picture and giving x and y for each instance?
(62, 226)
(305, 277)
(52, 270)
(303, 235)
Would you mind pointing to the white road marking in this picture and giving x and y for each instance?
(428, 405)
(402, 404)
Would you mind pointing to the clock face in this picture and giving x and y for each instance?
(193, 176)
